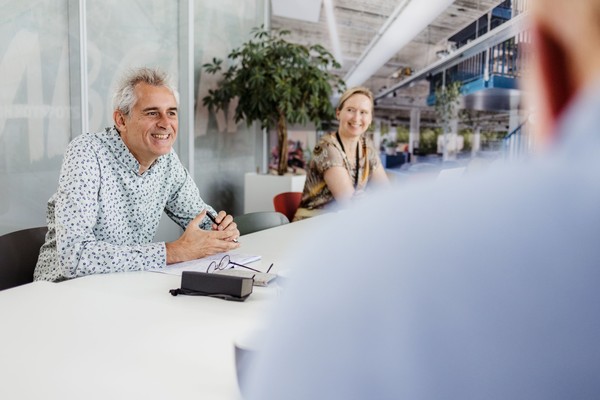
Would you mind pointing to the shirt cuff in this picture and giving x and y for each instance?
(155, 256)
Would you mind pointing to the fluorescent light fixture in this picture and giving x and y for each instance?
(336, 49)
(305, 10)
(405, 23)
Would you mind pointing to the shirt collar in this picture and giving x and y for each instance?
(122, 153)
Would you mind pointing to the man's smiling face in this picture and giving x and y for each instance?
(150, 129)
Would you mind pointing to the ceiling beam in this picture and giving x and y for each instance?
(498, 35)
(408, 19)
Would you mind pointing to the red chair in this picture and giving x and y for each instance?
(287, 203)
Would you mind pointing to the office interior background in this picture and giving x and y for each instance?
(60, 59)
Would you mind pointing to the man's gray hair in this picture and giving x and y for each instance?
(124, 98)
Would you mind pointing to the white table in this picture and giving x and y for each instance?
(122, 335)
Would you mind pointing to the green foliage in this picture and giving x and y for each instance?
(490, 136)
(428, 141)
(384, 128)
(389, 143)
(277, 83)
(467, 135)
(402, 134)
(447, 102)
(468, 117)
(491, 139)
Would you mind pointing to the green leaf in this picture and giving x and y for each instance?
(270, 75)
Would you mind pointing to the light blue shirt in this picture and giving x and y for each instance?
(105, 215)
(482, 288)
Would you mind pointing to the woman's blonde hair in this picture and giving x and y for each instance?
(356, 90)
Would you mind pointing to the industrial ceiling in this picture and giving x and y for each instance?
(356, 24)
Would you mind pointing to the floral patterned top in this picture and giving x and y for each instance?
(104, 215)
(329, 153)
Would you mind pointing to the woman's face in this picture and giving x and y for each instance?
(355, 115)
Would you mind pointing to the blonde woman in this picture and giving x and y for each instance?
(343, 162)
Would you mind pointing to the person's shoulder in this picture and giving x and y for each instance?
(84, 138)
(104, 145)
(86, 142)
(326, 141)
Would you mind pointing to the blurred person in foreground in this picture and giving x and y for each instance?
(114, 186)
(343, 162)
(486, 288)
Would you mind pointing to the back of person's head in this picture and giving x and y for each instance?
(125, 97)
(351, 92)
(565, 21)
(566, 39)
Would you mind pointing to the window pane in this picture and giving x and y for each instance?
(34, 108)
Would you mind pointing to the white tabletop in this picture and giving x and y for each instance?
(123, 335)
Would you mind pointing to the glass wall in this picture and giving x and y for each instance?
(34, 108)
(37, 79)
(224, 150)
(124, 34)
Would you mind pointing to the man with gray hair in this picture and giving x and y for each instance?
(114, 186)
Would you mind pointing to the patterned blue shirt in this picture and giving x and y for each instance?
(104, 215)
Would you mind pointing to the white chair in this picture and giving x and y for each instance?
(257, 221)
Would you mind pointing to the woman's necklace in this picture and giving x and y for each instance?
(337, 134)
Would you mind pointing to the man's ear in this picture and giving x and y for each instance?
(552, 78)
(557, 77)
(119, 119)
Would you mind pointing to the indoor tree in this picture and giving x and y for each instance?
(277, 83)
(447, 106)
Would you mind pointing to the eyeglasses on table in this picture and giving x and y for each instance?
(226, 263)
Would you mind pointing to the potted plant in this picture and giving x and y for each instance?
(390, 146)
(276, 83)
(447, 104)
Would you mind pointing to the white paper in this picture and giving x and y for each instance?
(200, 265)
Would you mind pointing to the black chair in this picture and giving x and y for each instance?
(257, 221)
(19, 253)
